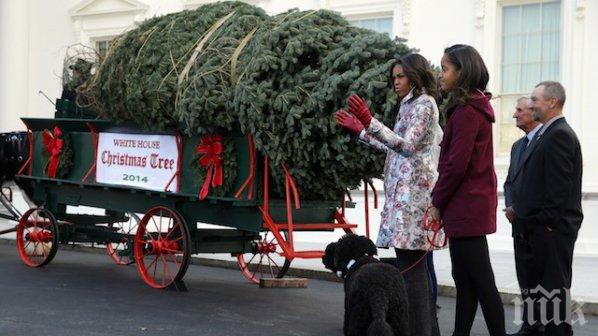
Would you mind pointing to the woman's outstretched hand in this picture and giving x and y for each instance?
(358, 107)
(348, 121)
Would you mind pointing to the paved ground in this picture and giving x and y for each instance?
(584, 286)
(86, 294)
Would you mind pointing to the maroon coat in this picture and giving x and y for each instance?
(466, 189)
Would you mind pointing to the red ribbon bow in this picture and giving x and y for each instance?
(210, 148)
(53, 144)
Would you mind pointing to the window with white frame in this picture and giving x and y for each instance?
(102, 47)
(380, 24)
(530, 53)
(531, 36)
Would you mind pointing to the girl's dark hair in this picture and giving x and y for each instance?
(418, 71)
(474, 74)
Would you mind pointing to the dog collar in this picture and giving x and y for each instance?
(349, 265)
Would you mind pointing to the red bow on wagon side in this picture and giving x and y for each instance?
(210, 149)
(53, 144)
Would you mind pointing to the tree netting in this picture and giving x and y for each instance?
(229, 65)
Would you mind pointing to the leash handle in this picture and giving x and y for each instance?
(436, 228)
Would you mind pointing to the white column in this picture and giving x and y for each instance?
(572, 71)
(14, 67)
(578, 77)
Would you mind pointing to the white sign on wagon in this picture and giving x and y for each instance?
(137, 160)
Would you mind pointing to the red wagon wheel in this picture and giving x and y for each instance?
(162, 247)
(37, 237)
(121, 251)
(264, 261)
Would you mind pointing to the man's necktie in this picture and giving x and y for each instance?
(522, 149)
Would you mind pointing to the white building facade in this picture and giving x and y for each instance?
(522, 42)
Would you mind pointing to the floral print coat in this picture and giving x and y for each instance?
(410, 171)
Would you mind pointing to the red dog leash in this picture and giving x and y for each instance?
(435, 228)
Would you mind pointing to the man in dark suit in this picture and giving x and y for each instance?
(546, 188)
(523, 255)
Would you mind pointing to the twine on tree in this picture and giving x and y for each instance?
(235, 56)
(200, 44)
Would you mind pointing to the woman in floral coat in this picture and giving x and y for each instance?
(410, 173)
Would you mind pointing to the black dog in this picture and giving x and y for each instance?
(375, 294)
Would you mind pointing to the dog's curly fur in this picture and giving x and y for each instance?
(375, 294)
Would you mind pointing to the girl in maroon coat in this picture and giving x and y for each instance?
(464, 197)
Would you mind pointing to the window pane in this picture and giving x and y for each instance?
(380, 25)
(385, 26)
(102, 47)
(551, 16)
(530, 76)
(510, 50)
(531, 18)
(532, 50)
(510, 78)
(368, 24)
(550, 71)
(511, 20)
(551, 46)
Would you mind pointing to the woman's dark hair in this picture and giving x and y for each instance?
(418, 71)
(474, 74)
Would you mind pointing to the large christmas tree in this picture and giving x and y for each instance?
(229, 65)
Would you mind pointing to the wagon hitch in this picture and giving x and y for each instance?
(14, 229)
(13, 213)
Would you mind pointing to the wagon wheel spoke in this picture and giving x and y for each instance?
(150, 237)
(169, 229)
(172, 251)
(176, 262)
(156, 226)
(270, 262)
(36, 219)
(259, 266)
(155, 265)
(253, 257)
(166, 268)
(160, 228)
(270, 266)
(152, 263)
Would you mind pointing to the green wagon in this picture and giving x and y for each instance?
(253, 227)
